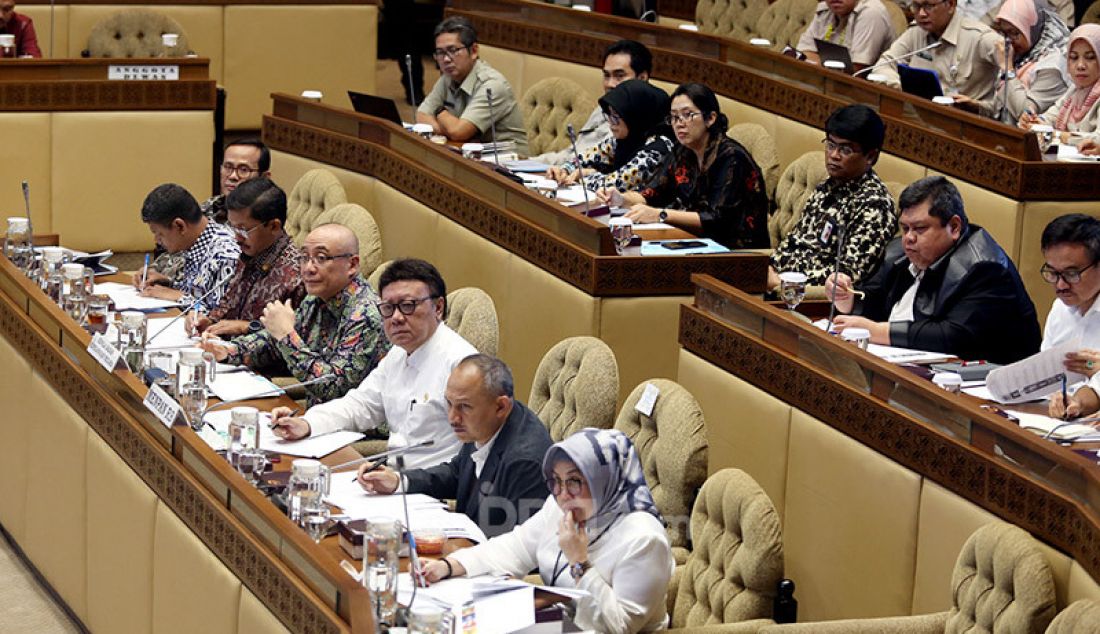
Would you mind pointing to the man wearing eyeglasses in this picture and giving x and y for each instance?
(406, 390)
(336, 331)
(968, 59)
(945, 285)
(458, 105)
(268, 268)
(852, 201)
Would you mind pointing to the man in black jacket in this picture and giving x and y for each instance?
(496, 479)
(944, 286)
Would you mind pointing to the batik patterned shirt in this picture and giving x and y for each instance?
(170, 265)
(633, 175)
(341, 337)
(866, 211)
(215, 209)
(208, 265)
(271, 275)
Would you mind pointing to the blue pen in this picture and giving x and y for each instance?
(145, 271)
(1065, 398)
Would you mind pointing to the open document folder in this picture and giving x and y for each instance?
(1034, 377)
(309, 447)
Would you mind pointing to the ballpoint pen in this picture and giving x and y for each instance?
(273, 424)
(1065, 399)
(145, 272)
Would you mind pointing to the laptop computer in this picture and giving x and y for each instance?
(829, 52)
(921, 82)
(375, 106)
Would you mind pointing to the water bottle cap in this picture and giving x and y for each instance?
(53, 255)
(191, 355)
(17, 223)
(72, 270)
(244, 415)
(306, 467)
(133, 319)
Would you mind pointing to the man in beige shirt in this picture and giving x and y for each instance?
(967, 59)
(863, 26)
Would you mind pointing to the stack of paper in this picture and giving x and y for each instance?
(310, 447)
(126, 297)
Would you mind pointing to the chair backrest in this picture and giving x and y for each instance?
(761, 146)
(472, 314)
(897, 16)
(1081, 617)
(316, 191)
(364, 227)
(672, 446)
(576, 386)
(784, 21)
(375, 276)
(135, 33)
(732, 573)
(1002, 582)
(793, 190)
(1091, 14)
(548, 108)
(735, 19)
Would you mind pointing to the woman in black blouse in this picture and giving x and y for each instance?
(709, 183)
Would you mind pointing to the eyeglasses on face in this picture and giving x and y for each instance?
(243, 233)
(845, 149)
(449, 52)
(572, 485)
(1070, 276)
(243, 171)
(686, 117)
(321, 259)
(927, 7)
(406, 306)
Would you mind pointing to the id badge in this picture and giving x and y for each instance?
(827, 232)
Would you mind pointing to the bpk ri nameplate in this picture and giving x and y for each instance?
(104, 352)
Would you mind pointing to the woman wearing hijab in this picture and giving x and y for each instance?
(598, 531)
(640, 140)
(1077, 113)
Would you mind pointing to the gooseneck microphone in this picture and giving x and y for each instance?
(27, 205)
(189, 308)
(409, 73)
(321, 380)
(493, 125)
(577, 158)
(897, 59)
(389, 453)
(836, 271)
(1008, 73)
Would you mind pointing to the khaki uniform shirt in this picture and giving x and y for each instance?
(867, 32)
(469, 101)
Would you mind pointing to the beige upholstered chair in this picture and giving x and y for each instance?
(784, 21)
(316, 191)
(897, 16)
(576, 386)
(548, 107)
(1081, 617)
(732, 574)
(362, 224)
(135, 33)
(734, 19)
(472, 314)
(1092, 14)
(793, 190)
(1002, 583)
(762, 148)
(672, 446)
(375, 276)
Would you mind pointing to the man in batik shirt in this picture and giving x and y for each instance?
(268, 268)
(337, 331)
(853, 202)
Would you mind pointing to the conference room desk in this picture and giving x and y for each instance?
(879, 476)
(137, 526)
(551, 271)
(1005, 184)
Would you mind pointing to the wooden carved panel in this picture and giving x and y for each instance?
(106, 95)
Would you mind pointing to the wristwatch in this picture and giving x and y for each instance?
(663, 216)
(578, 569)
(255, 326)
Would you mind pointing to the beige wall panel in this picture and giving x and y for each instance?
(193, 591)
(1081, 585)
(409, 229)
(121, 522)
(40, 13)
(1036, 216)
(331, 48)
(894, 169)
(536, 68)
(466, 259)
(25, 154)
(56, 515)
(538, 311)
(15, 427)
(121, 156)
(627, 322)
(849, 558)
(508, 63)
(255, 618)
(946, 522)
(747, 428)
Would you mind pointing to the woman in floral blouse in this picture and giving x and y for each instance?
(639, 142)
(709, 184)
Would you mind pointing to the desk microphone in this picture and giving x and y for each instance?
(1007, 74)
(189, 308)
(409, 71)
(580, 169)
(836, 271)
(389, 453)
(897, 59)
(493, 125)
(27, 203)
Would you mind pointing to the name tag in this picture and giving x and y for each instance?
(164, 407)
(102, 351)
(143, 72)
(827, 232)
(648, 399)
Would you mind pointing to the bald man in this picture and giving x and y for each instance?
(336, 331)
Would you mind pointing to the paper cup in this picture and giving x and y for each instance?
(170, 39)
(943, 100)
(877, 78)
(760, 41)
(688, 27)
(834, 64)
(313, 95)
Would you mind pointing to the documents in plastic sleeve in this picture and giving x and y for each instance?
(1077, 430)
(1034, 377)
(308, 447)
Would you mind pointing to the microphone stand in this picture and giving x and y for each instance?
(189, 308)
(1007, 74)
(409, 71)
(580, 168)
(389, 453)
(493, 126)
(276, 392)
(897, 59)
(836, 268)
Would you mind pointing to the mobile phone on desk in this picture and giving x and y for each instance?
(679, 245)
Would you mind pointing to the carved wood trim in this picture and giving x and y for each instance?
(679, 9)
(46, 96)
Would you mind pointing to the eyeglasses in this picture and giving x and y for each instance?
(449, 52)
(320, 259)
(572, 485)
(917, 7)
(686, 117)
(613, 118)
(243, 233)
(244, 172)
(1070, 276)
(406, 306)
(844, 149)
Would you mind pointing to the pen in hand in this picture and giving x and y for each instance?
(1065, 399)
(274, 424)
(144, 272)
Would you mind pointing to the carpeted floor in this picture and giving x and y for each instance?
(25, 604)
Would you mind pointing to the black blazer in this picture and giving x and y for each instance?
(971, 302)
(511, 487)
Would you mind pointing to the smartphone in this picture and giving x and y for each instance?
(677, 245)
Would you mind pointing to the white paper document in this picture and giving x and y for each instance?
(126, 297)
(240, 386)
(893, 354)
(491, 605)
(309, 447)
(1068, 152)
(1034, 377)
(1078, 430)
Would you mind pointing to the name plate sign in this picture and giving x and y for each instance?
(104, 352)
(164, 407)
(143, 72)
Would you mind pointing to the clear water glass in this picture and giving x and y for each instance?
(792, 288)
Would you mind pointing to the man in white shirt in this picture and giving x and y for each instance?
(405, 391)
